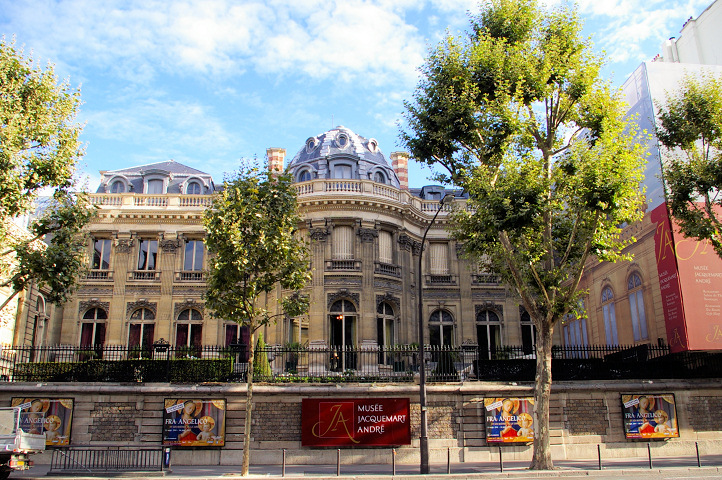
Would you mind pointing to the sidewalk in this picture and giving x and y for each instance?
(664, 467)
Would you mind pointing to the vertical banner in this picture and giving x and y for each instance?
(650, 416)
(194, 423)
(355, 422)
(509, 420)
(52, 417)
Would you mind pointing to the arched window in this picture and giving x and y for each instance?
(342, 316)
(40, 306)
(92, 328)
(636, 307)
(304, 176)
(488, 333)
(193, 188)
(379, 177)
(610, 318)
(528, 333)
(117, 187)
(141, 329)
(441, 329)
(189, 330)
(385, 331)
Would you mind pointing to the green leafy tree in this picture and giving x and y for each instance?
(255, 256)
(690, 127)
(39, 149)
(517, 115)
(261, 365)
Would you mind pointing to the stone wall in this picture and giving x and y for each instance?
(583, 415)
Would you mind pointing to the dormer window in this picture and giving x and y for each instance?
(342, 171)
(379, 177)
(193, 188)
(304, 176)
(155, 187)
(117, 187)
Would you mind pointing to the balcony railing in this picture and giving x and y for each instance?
(343, 265)
(388, 269)
(100, 275)
(434, 279)
(485, 279)
(144, 275)
(190, 276)
(367, 363)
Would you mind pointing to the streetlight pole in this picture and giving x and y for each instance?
(424, 434)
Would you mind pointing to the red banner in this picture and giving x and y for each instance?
(355, 422)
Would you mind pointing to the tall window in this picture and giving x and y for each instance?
(342, 243)
(386, 254)
(488, 333)
(92, 328)
(193, 255)
(441, 329)
(238, 335)
(193, 188)
(342, 171)
(155, 187)
(528, 333)
(610, 318)
(575, 334)
(636, 307)
(189, 330)
(147, 254)
(101, 254)
(141, 329)
(385, 330)
(343, 335)
(439, 258)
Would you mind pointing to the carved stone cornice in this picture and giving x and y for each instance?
(170, 246)
(85, 306)
(124, 245)
(318, 234)
(343, 295)
(190, 303)
(133, 306)
(367, 234)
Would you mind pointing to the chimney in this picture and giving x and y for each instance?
(400, 163)
(276, 157)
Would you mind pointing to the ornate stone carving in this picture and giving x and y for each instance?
(388, 298)
(343, 294)
(85, 306)
(367, 234)
(124, 245)
(318, 234)
(133, 306)
(405, 242)
(496, 308)
(386, 285)
(170, 246)
(189, 303)
(342, 281)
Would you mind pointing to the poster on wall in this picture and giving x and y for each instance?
(50, 416)
(347, 422)
(509, 420)
(650, 416)
(194, 423)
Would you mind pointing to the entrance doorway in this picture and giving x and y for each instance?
(342, 320)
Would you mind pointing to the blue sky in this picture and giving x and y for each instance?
(208, 82)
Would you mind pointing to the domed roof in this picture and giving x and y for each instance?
(341, 145)
(340, 141)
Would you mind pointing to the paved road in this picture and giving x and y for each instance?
(678, 468)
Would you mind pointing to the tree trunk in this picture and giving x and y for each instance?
(542, 459)
(249, 406)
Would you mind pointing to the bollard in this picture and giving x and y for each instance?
(501, 462)
(599, 456)
(448, 460)
(649, 452)
(166, 459)
(393, 461)
(696, 447)
(338, 462)
(283, 464)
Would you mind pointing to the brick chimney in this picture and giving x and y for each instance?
(400, 164)
(276, 156)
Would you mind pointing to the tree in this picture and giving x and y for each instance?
(39, 149)
(691, 121)
(250, 234)
(517, 115)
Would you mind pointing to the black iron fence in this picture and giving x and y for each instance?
(96, 460)
(367, 363)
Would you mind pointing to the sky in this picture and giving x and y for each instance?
(210, 82)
